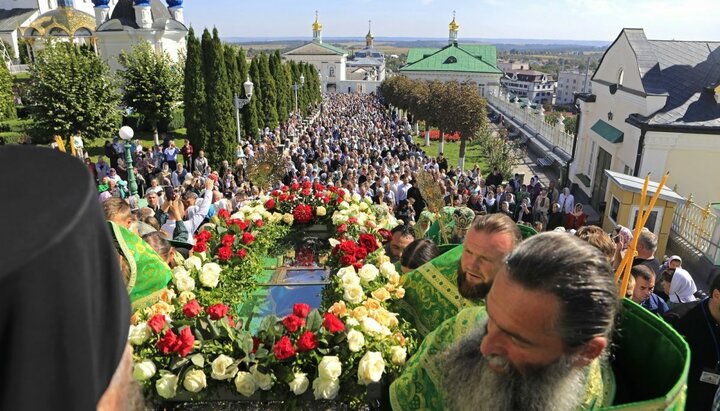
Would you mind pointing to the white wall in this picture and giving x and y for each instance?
(112, 43)
(323, 63)
(490, 82)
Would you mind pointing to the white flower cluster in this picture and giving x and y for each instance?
(207, 273)
(327, 385)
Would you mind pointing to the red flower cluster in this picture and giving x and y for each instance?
(191, 309)
(284, 349)
(368, 241)
(181, 344)
(201, 240)
(303, 213)
(293, 323)
(332, 323)
(217, 311)
(301, 310)
(157, 322)
(307, 342)
(349, 252)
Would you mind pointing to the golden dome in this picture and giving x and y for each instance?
(453, 24)
(316, 25)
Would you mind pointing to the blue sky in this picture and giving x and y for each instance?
(533, 19)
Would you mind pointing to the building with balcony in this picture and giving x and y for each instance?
(535, 86)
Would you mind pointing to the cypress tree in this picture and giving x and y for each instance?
(249, 113)
(269, 95)
(231, 67)
(255, 121)
(220, 111)
(7, 99)
(282, 88)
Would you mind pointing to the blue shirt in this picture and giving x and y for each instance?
(655, 304)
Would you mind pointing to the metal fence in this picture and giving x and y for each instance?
(699, 227)
(533, 122)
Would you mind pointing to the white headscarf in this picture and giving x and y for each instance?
(682, 287)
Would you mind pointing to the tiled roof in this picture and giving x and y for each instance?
(457, 59)
(686, 72)
(317, 48)
(11, 19)
(419, 53)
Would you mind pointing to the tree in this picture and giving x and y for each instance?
(467, 116)
(73, 93)
(220, 112)
(7, 98)
(249, 112)
(197, 131)
(269, 92)
(570, 125)
(256, 101)
(152, 83)
(282, 87)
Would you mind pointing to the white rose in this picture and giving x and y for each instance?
(184, 283)
(333, 242)
(321, 211)
(223, 368)
(185, 297)
(263, 381)
(245, 383)
(351, 322)
(179, 271)
(198, 360)
(368, 200)
(354, 294)
(345, 270)
(210, 275)
(139, 333)
(371, 326)
(344, 205)
(356, 340)
(276, 217)
(394, 278)
(193, 262)
(144, 370)
(361, 218)
(387, 269)
(325, 389)
(255, 216)
(368, 273)
(398, 355)
(370, 368)
(350, 279)
(329, 368)
(288, 218)
(363, 206)
(166, 386)
(299, 384)
(356, 197)
(195, 380)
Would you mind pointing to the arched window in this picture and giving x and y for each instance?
(58, 32)
(331, 72)
(83, 32)
(450, 60)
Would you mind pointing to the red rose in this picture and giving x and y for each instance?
(352, 220)
(339, 200)
(256, 344)
(157, 323)
(223, 213)
(306, 185)
(284, 188)
(301, 310)
(303, 213)
(185, 342)
(292, 197)
(227, 240)
(306, 192)
(167, 343)
(292, 322)
(283, 197)
(200, 247)
(341, 192)
(284, 349)
(242, 253)
(368, 241)
(319, 194)
(342, 228)
(348, 247)
(231, 321)
(274, 193)
(270, 204)
(248, 238)
(326, 199)
(332, 189)
(203, 236)
(358, 265)
(294, 186)
(224, 253)
(361, 253)
(347, 259)
(307, 342)
(217, 311)
(239, 223)
(191, 309)
(385, 234)
(319, 187)
(259, 223)
(332, 323)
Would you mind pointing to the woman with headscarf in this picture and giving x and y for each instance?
(679, 286)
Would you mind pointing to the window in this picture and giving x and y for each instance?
(653, 222)
(614, 209)
(450, 60)
(58, 32)
(331, 71)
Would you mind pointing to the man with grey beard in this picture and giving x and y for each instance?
(539, 344)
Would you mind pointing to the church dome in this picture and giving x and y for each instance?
(174, 3)
(101, 3)
(123, 15)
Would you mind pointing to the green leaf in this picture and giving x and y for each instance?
(314, 321)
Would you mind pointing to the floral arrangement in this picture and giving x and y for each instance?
(306, 203)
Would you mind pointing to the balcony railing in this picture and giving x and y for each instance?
(699, 227)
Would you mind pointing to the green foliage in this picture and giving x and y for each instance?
(249, 112)
(152, 83)
(73, 93)
(7, 99)
(283, 86)
(552, 118)
(255, 121)
(197, 129)
(220, 112)
(269, 92)
(499, 151)
(570, 125)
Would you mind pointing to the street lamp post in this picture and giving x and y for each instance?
(126, 133)
(242, 102)
(296, 86)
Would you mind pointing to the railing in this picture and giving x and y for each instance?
(19, 68)
(699, 227)
(553, 136)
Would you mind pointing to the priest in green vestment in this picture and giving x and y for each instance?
(459, 278)
(539, 344)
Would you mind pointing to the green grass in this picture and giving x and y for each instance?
(96, 147)
(473, 154)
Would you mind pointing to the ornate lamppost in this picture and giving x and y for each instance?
(126, 133)
(297, 86)
(242, 102)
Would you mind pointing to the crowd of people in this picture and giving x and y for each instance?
(479, 345)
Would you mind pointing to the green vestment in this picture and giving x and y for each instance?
(431, 293)
(420, 387)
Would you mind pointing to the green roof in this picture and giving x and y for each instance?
(332, 48)
(608, 132)
(419, 53)
(455, 58)
(319, 47)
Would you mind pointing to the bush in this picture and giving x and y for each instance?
(23, 111)
(177, 121)
(11, 137)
